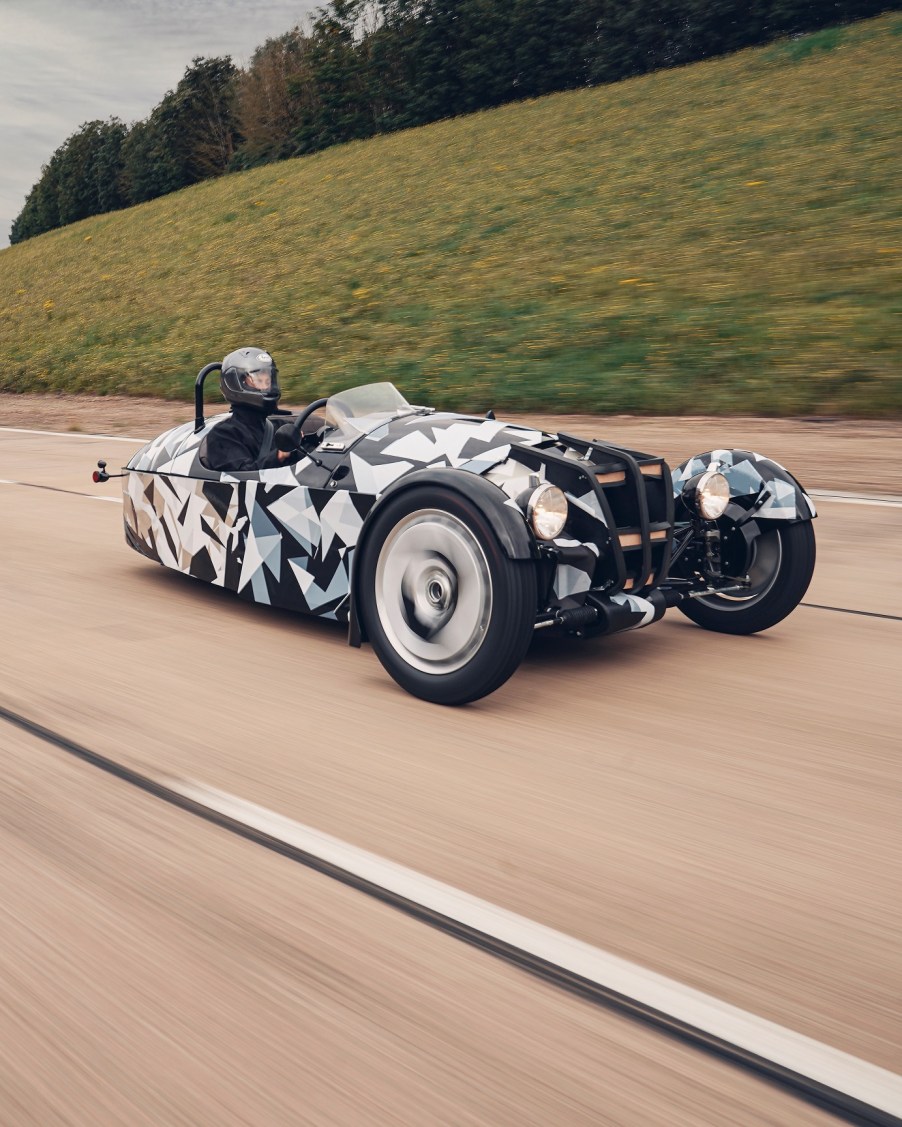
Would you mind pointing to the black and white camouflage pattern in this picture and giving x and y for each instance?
(287, 536)
(758, 485)
(273, 541)
(577, 560)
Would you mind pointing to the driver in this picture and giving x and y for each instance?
(250, 382)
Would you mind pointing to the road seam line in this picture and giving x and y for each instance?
(849, 610)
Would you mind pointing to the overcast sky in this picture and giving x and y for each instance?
(65, 62)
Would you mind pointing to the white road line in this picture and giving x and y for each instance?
(76, 434)
(855, 498)
(858, 1079)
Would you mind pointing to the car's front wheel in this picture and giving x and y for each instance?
(779, 566)
(448, 614)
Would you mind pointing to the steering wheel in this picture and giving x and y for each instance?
(292, 440)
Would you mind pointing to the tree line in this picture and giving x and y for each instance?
(363, 67)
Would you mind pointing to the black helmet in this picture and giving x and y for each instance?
(250, 376)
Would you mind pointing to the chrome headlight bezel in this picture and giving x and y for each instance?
(707, 494)
(547, 511)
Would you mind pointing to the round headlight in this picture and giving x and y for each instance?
(712, 494)
(546, 511)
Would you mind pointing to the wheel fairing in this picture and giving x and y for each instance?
(759, 487)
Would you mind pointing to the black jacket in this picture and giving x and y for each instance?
(234, 444)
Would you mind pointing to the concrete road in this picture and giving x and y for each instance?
(158, 971)
(721, 810)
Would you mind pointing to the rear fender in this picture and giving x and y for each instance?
(761, 490)
(506, 518)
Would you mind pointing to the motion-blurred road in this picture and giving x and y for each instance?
(721, 810)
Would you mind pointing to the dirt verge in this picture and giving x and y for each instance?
(824, 453)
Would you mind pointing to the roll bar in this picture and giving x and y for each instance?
(199, 393)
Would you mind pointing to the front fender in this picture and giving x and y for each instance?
(506, 519)
(760, 489)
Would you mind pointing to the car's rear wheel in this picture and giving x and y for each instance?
(780, 565)
(448, 614)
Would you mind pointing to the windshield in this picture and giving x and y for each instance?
(359, 409)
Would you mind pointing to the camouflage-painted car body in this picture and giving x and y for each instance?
(289, 536)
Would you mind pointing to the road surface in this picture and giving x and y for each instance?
(722, 811)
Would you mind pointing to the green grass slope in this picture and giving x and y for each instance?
(723, 237)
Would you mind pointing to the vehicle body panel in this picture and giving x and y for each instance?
(288, 536)
(759, 487)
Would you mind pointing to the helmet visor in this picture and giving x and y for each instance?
(261, 379)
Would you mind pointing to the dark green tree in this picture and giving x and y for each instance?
(339, 107)
(554, 44)
(40, 212)
(204, 127)
(150, 166)
(89, 171)
(81, 179)
(190, 136)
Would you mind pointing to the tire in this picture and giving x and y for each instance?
(780, 567)
(449, 615)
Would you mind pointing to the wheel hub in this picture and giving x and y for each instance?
(439, 588)
(433, 592)
(764, 561)
(429, 590)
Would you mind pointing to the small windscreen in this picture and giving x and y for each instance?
(363, 402)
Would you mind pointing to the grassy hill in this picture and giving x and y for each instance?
(724, 237)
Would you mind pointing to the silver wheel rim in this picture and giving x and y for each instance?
(433, 591)
(764, 567)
